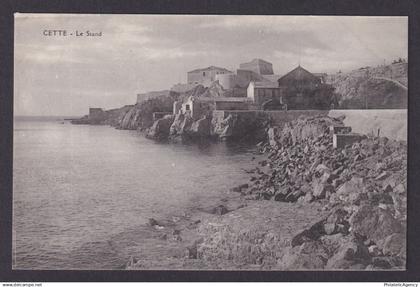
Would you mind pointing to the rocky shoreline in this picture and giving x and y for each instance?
(307, 206)
(181, 127)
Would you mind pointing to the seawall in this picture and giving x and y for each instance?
(391, 123)
(278, 118)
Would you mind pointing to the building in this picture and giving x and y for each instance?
(266, 95)
(299, 78)
(256, 70)
(304, 90)
(258, 66)
(231, 81)
(204, 106)
(205, 76)
(271, 78)
(248, 76)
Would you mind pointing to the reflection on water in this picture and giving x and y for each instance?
(75, 187)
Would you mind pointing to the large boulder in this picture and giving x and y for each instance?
(374, 223)
(351, 254)
(310, 255)
(337, 222)
(321, 189)
(241, 126)
(181, 125)
(223, 127)
(176, 125)
(311, 234)
(394, 245)
(160, 129)
(201, 127)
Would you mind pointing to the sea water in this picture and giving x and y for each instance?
(76, 187)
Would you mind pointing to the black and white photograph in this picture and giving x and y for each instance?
(209, 142)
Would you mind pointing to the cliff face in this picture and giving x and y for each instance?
(374, 88)
(114, 116)
(184, 128)
(160, 129)
(247, 126)
(140, 116)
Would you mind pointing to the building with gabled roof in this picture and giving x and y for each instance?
(304, 90)
(299, 76)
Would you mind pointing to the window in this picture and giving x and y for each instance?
(187, 107)
(204, 74)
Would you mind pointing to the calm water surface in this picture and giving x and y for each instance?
(77, 187)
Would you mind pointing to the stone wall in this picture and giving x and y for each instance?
(151, 95)
(231, 105)
(278, 118)
(390, 123)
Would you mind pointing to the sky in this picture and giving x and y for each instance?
(65, 75)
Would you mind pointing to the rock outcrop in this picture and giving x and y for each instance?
(141, 115)
(160, 129)
(185, 129)
(246, 126)
(372, 87)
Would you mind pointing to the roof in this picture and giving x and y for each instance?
(209, 69)
(298, 73)
(257, 60)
